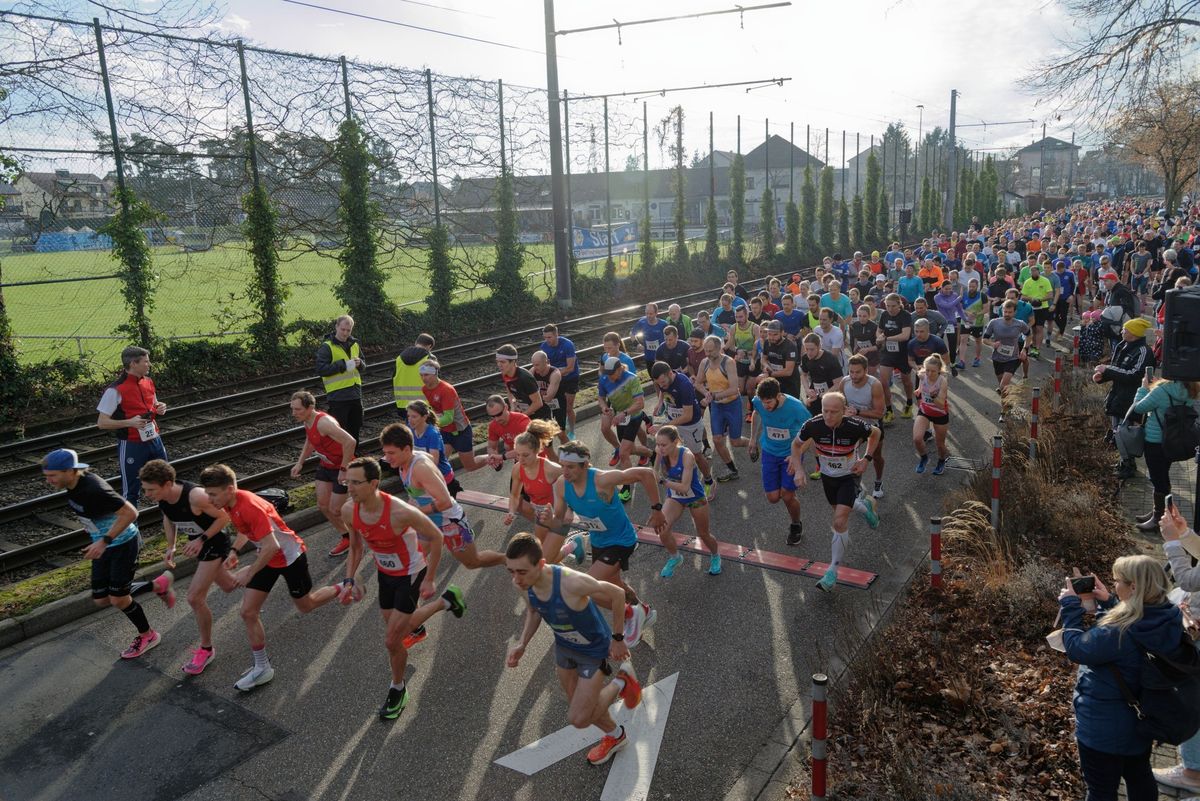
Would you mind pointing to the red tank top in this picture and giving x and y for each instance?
(395, 554)
(539, 490)
(328, 448)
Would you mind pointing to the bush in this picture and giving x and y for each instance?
(34, 390)
(200, 362)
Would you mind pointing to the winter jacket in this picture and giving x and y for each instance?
(1120, 295)
(1103, 720)
(1187, 577)
(1125, 371)
(1159, 399)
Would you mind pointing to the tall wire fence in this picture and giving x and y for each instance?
(182, 107)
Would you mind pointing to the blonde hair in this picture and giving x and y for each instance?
(934, 360)
(1148, 583)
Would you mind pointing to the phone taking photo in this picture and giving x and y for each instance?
(1081, 585)
(1171, 501)
(1149, 373)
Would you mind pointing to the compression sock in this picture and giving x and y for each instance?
(137, 616)
(840, 541)
(140, 587)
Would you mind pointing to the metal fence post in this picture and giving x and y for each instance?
(566, 104)
(820, 725)
(251, 147)
(437, 200)
(1057, 399)
(607, 189)
(346, 86)
(935, 552)
(500, 97)
(997, 457)
(646, 173)
(112, 115)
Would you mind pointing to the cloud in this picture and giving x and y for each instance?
(234, 24)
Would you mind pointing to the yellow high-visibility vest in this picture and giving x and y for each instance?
(406, 383)
(349, 376)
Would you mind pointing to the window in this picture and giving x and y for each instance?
(749, 181)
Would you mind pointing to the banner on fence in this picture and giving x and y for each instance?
(590, 242)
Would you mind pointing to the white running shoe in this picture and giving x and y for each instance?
(254, 677)
(634, 619)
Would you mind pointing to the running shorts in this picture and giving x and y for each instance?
(296, 575)
(400, 592)
(330, 474)
(112, 573)
(583, 664)
(840, 490)
(775, 476)
(614, 554)
(726, 419)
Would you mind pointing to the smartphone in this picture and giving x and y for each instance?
(1149, 373)
(1082, 585)
(1171, 501)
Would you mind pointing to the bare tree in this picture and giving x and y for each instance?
(1161, 128)
(1118, 50)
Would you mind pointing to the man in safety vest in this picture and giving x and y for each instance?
(406, 382)
(340, 365)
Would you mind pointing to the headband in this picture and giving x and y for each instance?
(574, 458)
(506, 356)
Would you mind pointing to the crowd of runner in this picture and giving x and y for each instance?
(805, 377)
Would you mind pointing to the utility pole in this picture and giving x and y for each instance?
(1071, 170)
(952, 176)
(1042, 168)
(916, 154)
(562, 256)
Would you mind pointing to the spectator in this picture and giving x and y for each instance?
(1126, 371)
(1135, 617)
(1153, 400)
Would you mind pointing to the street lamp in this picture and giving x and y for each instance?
(920, 131)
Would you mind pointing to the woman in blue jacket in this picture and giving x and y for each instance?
(1134, 618)
(1153, 400)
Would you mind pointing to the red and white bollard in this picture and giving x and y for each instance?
(1033, 423)
(1057, 381)
(820, 723)
(997, 456)
(935, 552)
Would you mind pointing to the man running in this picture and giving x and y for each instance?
(562, 355)
(677, 393)
(777, 419)
(591, 495)
(390, 528)
(130, 408)
(186, 508)
(716, 379)
(281, 554)
(895, 329)
(649, 332)
(452, 417)
(335, 447)
(865, 400)
(111, 522)
(549, 379)
(583, 640)
(836, 437)
(1006, 337)
(779, 359)
(621, 395)
(523, 392)
(502, 430)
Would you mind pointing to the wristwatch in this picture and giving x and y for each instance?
(109, 540)
(868, 457)
(657, 507)
(618, 638)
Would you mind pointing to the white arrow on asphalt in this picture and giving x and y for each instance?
(633, 767)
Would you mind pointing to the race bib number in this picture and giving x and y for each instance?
(833, 464)
(388, 561)
(572, 636)
(520, 406)
(148, 431)
(820, 387)
(589, 523)
(862, 344)
(552, 403)
(674, 411)
(892, 346)
(778, 434)
(88, 525)
(190, 528)
(1006, 350)
(651, 344)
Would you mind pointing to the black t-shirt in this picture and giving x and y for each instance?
(677, 357)
(822, 371)
(835, 447)
(524, 388)
(777, 356)
(892, 325)
(93, 498)
(863, 335)
(864, 288)
(724, 317)
(543, 381)
(996, 290)
(180, 512)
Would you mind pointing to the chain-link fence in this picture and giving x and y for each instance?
(182, 110)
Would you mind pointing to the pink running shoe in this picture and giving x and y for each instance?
(200, 659)
(141, 644)
(163, 588)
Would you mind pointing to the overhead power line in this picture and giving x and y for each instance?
(652, 92)
(697, 15)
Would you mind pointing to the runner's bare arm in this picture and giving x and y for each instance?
(354, 556)
(529, 627)
(329, 427)
(514, 496)
(305, 452)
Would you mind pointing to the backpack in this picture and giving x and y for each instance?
(1168, 705)
(276, 497)
(1180, 426)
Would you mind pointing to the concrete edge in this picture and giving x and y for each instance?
(74, 607)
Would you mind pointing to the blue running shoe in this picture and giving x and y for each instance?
(669, 568)
(924, 460)
(868, 510)
(940, 467)
(714, 565)
(828, 581)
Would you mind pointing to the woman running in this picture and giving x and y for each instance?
(677, 472)
(428, 439)
(532, 494)
(933, 410)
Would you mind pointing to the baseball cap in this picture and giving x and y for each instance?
(1109, 277)
(611, 364)
(879, 279)
(62, 459)
(429, 368)
(773, 325)
(795, 276)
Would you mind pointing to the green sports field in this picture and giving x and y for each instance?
(204, 292)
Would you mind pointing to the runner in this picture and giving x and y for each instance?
(130, 409)
(340, 365)
(950, 305)
(335, 447)
(779, 359)
(678, 394)
(502, 431)
(975, 305)
(524, 395)
(562, 355)
(427, 491)
(895, 329)
(681, 321)
(428, 440)
(549, 379)
(924, 343)
(452, 418)
(819, 368)
(1039, 292)
(833, 337)
(111, 523)
(679, 474)
(864, 333)
(390, 528)
(281, 553)
(1005, 336)
(532, 494)
(777, 420)
(186, 507)
(934, 410)
(621, 396)
(835, 437)
(591, 495)
(583, 640)
(674, 350)
(740, 340)
(716, 379)
(614, 346)
(406, 381)
(648, 331)
(865, 401)
(790, 318)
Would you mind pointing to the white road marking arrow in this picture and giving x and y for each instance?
(633, 767)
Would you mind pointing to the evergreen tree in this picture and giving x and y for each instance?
(925, 223)
(649, 254)
(679, 183)
(871, 232)
(442, 281)
(808, 216)
(882, 224)
(858, 224)
(768, 225)
(505, 277)
(825, 233)
(737, 202)
(843, 226)
(712, 246)
(791, 246)
(266, 290)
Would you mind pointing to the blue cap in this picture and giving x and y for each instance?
(63, 459)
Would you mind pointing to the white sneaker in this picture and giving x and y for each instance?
(254, 677)
(633, 625)
(877, 493)
(1175, 776)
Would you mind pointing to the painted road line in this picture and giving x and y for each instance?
(552, 748)
(633, 768)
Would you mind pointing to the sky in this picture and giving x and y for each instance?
(854, 65)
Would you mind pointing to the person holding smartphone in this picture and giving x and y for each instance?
(1152, 399)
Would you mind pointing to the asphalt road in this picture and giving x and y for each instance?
(82, 724)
